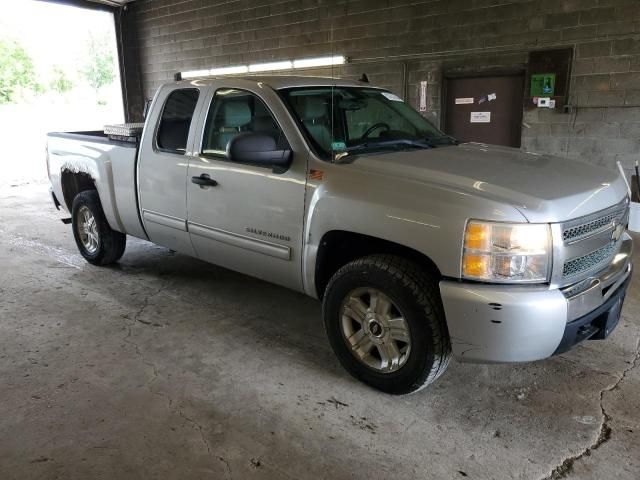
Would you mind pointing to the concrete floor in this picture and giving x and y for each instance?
(167, 367)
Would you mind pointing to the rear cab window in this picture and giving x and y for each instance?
(173, 129)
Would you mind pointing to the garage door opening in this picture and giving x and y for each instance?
(485, 109)
(60, 72)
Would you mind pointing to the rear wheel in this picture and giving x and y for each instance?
(385, 322)
(97, 242)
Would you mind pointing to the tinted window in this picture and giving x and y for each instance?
(176, 120)
(233, 112)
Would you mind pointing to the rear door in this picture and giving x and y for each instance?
(252, 220)
(485, 109)
(162, 169)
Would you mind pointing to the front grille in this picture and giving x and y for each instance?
(583, 245)
(590, 261)
(585, 229)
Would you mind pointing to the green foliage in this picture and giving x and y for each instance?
(60, 82)
(98, 70)
(16, 71)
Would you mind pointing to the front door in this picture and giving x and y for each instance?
(485, 109)
(251, 220)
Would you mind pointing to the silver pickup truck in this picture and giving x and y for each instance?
(419, 247)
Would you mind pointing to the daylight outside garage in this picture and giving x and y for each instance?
(60, 73)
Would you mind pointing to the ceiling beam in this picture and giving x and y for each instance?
(112, 3)
(109, 5)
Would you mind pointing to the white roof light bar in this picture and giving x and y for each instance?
(319, 61)
(196, 73)
(229, 70)
(267, 67)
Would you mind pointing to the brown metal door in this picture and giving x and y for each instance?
(485, 109)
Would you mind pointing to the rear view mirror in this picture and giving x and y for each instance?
(352, 104)
(258, 149)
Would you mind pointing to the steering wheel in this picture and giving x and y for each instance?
(374, 127)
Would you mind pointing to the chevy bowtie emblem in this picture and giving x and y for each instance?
(618, 230)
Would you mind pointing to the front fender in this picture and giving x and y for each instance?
(427, 218)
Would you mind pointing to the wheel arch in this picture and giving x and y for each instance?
(73, 183)
(339, 247)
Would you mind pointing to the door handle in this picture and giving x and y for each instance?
(204, 180)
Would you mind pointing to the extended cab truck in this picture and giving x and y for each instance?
(419, 247)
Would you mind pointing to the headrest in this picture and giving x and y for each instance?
(314, 107)
(236, 114)
(263, 124)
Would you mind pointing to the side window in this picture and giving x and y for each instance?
(173, 130)
(233, 112)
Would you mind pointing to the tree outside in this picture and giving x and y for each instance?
(18, 76)
(60, 82)
(98, 70)
(16, 71)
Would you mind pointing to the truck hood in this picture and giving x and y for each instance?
(543, 188)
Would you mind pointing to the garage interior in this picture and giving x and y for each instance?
(164, 366)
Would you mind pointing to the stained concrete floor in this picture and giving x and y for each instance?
(167, 367)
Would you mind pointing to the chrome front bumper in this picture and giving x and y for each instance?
(511, 323)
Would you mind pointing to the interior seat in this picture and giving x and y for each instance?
(315, 118)
(264, 124)
(234, 117)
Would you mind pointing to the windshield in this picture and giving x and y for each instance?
(363, 119)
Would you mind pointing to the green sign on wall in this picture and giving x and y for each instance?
(543, 84)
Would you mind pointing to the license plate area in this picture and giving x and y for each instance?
(596, 325)
(609, 320)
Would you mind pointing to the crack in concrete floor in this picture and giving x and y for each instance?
(137, 318)
(605, 432)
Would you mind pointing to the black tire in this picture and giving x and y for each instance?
(110, 244)
(416, 294)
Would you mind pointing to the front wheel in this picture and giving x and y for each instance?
(385, 322)
(97, 242)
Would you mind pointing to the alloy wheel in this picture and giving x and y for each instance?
(87, 230)
(375, 330)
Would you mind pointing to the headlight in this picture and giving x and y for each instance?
(507, 253)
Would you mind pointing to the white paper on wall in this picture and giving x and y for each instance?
(480, 117)
(423, 96)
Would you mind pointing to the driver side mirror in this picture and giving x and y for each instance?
(258, 149)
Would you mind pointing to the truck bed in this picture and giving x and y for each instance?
(96, 136)
(110, 163)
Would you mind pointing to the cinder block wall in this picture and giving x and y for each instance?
(399, 43)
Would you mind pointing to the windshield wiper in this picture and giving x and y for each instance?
(437, 140)
(390, 143)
